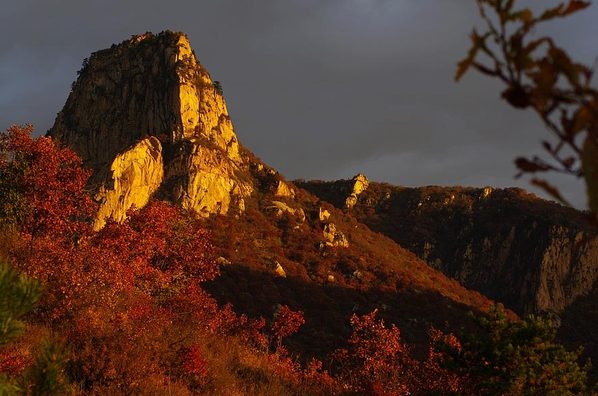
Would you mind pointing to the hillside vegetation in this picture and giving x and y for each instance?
(126, 310)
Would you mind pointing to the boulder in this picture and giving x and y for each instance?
(283, 190)
(279, 271)
(323, 215)
(333, 237)
(279, 209)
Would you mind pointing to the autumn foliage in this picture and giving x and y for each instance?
(378, 362)
(540, 76)
(287, 322)
(128, 313)
(127, 299)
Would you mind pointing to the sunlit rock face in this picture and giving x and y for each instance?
(283, 190)
(135, 175)
(148, 119)
(333, 237)
(359, 183)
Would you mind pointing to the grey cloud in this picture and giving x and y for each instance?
(317, 88)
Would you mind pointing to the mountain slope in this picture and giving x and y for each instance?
(530, 254)
(149, 121)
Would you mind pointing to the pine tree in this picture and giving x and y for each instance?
(518, 358)
(18, 295)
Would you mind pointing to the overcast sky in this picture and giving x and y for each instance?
(316, 88)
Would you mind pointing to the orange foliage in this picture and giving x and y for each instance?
(127, 298)
(129, 301)
(287, 322)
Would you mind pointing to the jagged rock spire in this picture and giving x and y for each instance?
(148, 119)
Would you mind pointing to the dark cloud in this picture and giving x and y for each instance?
(317, 88)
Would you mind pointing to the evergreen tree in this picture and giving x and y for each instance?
(18, 295)
(518, 358)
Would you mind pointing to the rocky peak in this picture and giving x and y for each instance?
(149, 101)
(342, 193)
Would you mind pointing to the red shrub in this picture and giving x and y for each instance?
(13, 362)
(376, 361)
(194, 363)
(434, 377)
(43, 186)
(286, 322)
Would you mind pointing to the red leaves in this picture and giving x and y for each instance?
(174, 241)
(434, 375)
(376, 358)
(128, 298)
(287, 322)
(50, 180)
(194, 362)
(14, 361)
(377, 362)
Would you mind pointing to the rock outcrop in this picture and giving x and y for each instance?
(279, 209)
(333, 237)
(283, 190)
(279, 271)
(344, 194)
(148, 119)
(323, 215)
(359, 183)
(136, 176)
(533, 255)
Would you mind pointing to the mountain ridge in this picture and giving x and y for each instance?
(455, 228)
(533, 255)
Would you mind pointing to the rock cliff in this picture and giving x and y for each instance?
(532, 255)
(148, 119)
